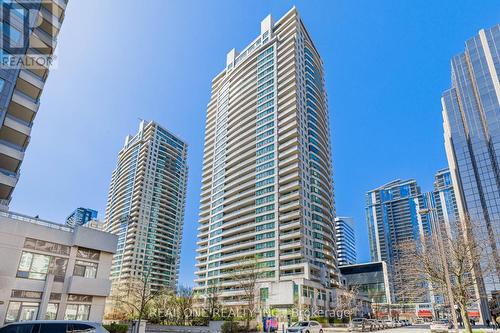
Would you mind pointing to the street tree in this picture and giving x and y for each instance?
(457, 273)
(246, 274)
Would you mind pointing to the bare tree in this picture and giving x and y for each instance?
(135, 295)
(347, 299)
(246, 274)
(211, 301)
(183, 305)
(457, 273)
(411, 283)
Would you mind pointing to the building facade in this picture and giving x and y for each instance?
(371, 280)
(471, 121)
(346, 240)
(29, 32)
(267, 190)
(145, 207)
(52, 271)
(395, 220)
(81, 216)
(445, 204)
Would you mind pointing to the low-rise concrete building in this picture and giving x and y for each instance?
(52, 271)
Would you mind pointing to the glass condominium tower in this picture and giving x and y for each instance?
(471, 121)
(346, 240)
(394, 218)
(29, 31)
(81, 216)
(145, 208)
(267, 190)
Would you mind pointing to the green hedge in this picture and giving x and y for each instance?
(116, 328)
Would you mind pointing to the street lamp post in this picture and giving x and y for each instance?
(437, 235)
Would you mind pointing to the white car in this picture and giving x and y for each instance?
(53, 326)
(359, 324)
(390, 323)
(310, 326)
(440, 326)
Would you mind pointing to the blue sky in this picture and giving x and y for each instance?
(386, 64)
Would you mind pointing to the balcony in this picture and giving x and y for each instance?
(21, 128)
(29, 84)
(8, 178)
(13, 151)
(49, 22)
(25, 101)
(55, 7)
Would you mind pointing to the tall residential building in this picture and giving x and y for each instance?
(394, 219)
(471, 121)
(81, 216)
(29, 31)
(346, 240)
(267, 189)
(445, 204)
(145, 208)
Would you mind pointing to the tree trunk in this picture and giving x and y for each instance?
(465, 318)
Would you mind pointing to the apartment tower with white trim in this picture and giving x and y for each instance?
(267, 189)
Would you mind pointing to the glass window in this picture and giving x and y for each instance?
(51, 313)
(53, 328)
(58, 268)
(39, 267)
(26, 294)
(36, 266)
(264, 294)
(20, 328)
(55, 296)
(9, 329)
(40, 245)
(79, 298)
(12, 33)
(2, 83)
(77, 312)
(82, 328)
(20, 311)
(85, 269)
(71, 312)
(12, 312)
(87, 253)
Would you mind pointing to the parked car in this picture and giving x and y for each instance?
(406, 322)
(304, 327)
(374, 324)
(359, 324)
(382, 324)
(440, 326)
(53, 326)
(390, 323)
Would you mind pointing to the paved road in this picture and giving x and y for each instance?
(412, 329)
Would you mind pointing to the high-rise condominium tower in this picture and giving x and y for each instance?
(395, 220)
(445, 204)
(146, 204)
(471, 120)
(346, 240)
(267, 189)
(29, 31)
(81, 216)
